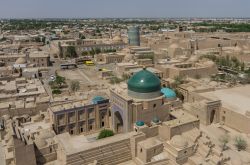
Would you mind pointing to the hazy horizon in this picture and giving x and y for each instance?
(125, 9)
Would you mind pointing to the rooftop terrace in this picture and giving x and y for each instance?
(236, 99)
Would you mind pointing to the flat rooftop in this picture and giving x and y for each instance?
(235, 99)
(35, 126)
(150, 142)
(38, 54)
(125, 64)
(181, 118)
(71, 105)
(196, 86)
(138, 48)
(75, 144)
(6, 104)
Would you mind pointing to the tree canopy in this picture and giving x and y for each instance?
(60, 80)
(71, 52)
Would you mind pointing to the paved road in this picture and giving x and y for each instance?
(47, 87)
(85, 76)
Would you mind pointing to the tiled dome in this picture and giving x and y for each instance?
(144, 81)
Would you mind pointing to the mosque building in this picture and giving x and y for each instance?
(141, 101)
(145, 118)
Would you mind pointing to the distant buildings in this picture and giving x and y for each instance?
(188, 69)
(37, 59)
(22, 96)
(86, 45)
(109, 58)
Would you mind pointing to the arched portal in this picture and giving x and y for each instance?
(118, 122)
(212, 115)
(182, 97)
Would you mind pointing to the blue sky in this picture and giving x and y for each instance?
(123, 8)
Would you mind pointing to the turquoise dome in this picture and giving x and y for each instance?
(144, 81)
(168, 93)
(140, 123)
(96, 99)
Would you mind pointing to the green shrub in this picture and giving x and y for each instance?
(105, 133)
(240, 143)
(56, 91)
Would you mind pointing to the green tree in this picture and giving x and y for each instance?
(74, 86)
(82, 36)
(60, 80)
(85, 53)
(236, 62)
(37, 39)
(71, 52)
(43, 39)
(3, 39)
(222, 61)
(56, 91)
(97, 51)
(109, 50)
(98, 30)
(92, 52)
(105, 133)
